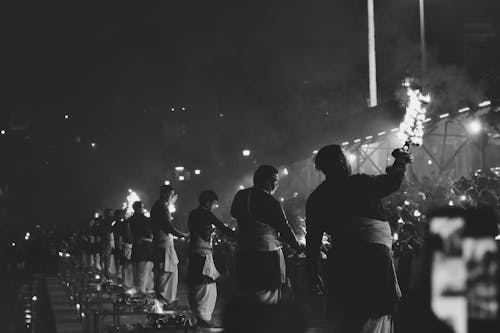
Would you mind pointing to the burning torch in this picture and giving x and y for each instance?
(411, 130)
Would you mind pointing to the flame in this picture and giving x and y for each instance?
(131, 198)
(412, 128)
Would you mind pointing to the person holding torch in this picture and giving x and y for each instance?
(362, 286)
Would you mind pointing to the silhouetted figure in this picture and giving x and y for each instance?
(260, 264)
(142, 249)
(362, 287)
(164, 256)
(201, 269)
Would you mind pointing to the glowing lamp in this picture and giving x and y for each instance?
(197, 171)
(3, 132)
(241, 187)
(96, 215)
(463, 198)
(315, 152)
(66, 116)
(285, 171)
(450, 203)
(34, 298)
(93, 144)
(429, 162)
(246, 152)
(417, 213)
(166, 182)
(395, 236)
(474, 127)
(181, 178)
(179, 168)
(407, 203)
(13, 244)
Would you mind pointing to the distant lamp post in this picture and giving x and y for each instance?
(197, 171)
(179, 168)
(2, 132)
(246, 152)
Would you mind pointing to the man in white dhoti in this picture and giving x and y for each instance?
(164, 255)
(202, 273)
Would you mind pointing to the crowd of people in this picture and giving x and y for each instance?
(360, 222)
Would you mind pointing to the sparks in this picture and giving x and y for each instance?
(411, 130)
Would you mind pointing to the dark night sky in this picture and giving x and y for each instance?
(272, 68)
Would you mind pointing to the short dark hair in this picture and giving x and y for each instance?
(207, 196)
(263, 174)
(137, 205)
(331, 159)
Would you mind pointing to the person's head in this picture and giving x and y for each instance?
(166, 192)
(266, 178)
(332, 162)
(119, 214)
(108, 213)
(208, 199)
(138, 207)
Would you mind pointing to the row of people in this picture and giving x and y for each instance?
(345, 206)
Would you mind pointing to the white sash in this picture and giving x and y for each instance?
(209, 268)
(171, 259)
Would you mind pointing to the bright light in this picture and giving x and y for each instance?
(345, 143)
(131, 198)
(357, 140)
(417, 213)
(172, 109)
(171, 208)
(197, 171)
(412, 129)
(166, 182)
(181, 178)
(381, 133)
(474, 127)
(179, 168)
(246, 152)
(183, 109)
(221, 115)
(485, 103)
(13, 244)
(27, 236)
(463, 110)
(60, 254)
(395, 236)
(429, 162)
(315, 152)
(3, 132)
(77, 307)
(444, 115)
(66, 116)
(96, 215)
(34, 298)
(67, 255)
(285, 171)
(400, 220)
(93, 144)
(241, 187)
(450, 203)
(497, 238)
(407, 203)
(351, 157)
(369, 137)
(463, 197)
(282, 199)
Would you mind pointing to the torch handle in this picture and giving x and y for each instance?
(406, 146)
